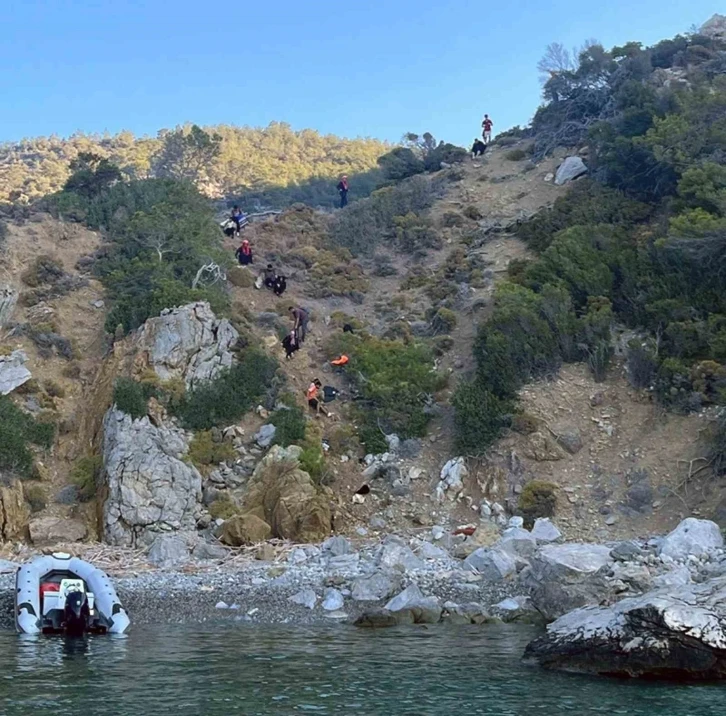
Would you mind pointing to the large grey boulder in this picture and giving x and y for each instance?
(567, 576)
(374, 588)
(545, 532)
(13, 372)
(151, 489)
(8, 299)
(337, 546)
(570, 169)
(188, 342)
(670, 633)
(692, 537)
(265, 435)
(395, 554)
(305, 598)
(493, 564)
(518, 542)
(424, 610)
(168, 551)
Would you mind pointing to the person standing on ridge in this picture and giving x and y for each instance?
(487, 125)
(343, 190)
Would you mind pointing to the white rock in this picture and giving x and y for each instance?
(692, 537)
(492, 564)
(306, 598)
(678, 577)
(13, 372)
(516, 521)
(332, 600)
(221, 605)
(570, 169)
(373, 588)
(437, 532)
(517, 542)
(544, 531)
(337, 546)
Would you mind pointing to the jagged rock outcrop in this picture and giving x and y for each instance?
(13, 372)
(674, 633)
(285, 497)
(14, 511)
(8, 299)
(151, 490)
(715, 27)
(53, 530)
(188, 342)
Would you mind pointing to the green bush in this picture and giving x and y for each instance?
(223, 508)
(515, 155)
(35, 497)
(222, 401)
(18, 431)
(393, 383)
(537, 499)
(480, 416)
(85, 475)
(131, 397)
(443, 321)
(312, 461)
(204, 451)
(289, 426)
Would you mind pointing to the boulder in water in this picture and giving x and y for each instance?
(669, 633)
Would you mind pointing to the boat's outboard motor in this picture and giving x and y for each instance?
(76, 614)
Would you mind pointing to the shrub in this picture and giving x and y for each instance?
(598, 359)
(442, 345)
(312, 461)
(343, 439)
(53, 389)
(85, 475)
(131, 397)
(223, 508)
(537, 499)
(515, 155)
(204, 451)
(444, 321)
(289, 425)
(18, 430)
(525, 423)
(479, 418)
(451, 219)
(472, 212)
(35, 497)
(415, 233)
(230, 395)
(641, 364)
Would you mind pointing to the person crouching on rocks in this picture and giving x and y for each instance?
(244, 253)
(313, 397)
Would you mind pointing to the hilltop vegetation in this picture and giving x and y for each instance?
(238, 160)
(641, 243)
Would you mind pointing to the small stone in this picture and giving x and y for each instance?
(332, 600)
(221, 605)
(516, 522)
(265, 552)
(306, 598)
(611, 520)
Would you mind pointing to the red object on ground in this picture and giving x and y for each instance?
(468, 531)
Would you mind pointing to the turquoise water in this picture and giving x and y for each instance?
(237, 669)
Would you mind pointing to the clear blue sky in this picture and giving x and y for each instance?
(363, 67)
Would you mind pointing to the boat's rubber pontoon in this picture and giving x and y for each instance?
(60, 594)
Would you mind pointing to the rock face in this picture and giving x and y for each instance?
(187, 342)
(715, 27)
(8, 299)
(671, 633)
(14, 511)
(692, 536)
(564, 577)
(570, 169)
(493, 564)
(13, 372)
(52, 530)
(285, 497)
(150, 488)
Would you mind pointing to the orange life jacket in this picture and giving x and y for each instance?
(340, 361)
(312, 393)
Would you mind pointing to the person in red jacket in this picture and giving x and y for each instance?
(487, 125)
(244, 253)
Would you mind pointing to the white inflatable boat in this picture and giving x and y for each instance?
(60, 594)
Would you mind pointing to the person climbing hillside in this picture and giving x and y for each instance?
(301, 318)
(244, 254)
(487, 125)
(290, 344)
(312, 395)
(478, 148)
(238, 217)
(343, 190)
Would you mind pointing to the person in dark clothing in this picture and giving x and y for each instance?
(343, 190)
(280, 285)
(244, 253)
(290, 344)
(270, 276)
(238, 217)
(478, 148)
(229, 228)
(300, 318)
